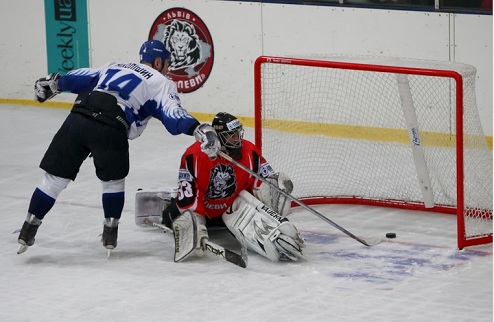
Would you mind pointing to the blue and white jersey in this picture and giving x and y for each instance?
(141, 91)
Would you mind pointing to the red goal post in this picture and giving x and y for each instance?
(378, 131)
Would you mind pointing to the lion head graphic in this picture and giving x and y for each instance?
(181, 39)
(190, 44)
(222, 183)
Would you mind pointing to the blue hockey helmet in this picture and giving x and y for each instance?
(152, 49)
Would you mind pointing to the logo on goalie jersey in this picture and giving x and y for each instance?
(222, 183)
(191, 46)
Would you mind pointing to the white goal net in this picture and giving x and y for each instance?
(379, 131)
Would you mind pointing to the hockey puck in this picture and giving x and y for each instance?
(390, 235)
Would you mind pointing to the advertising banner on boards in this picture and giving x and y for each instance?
(67, 41)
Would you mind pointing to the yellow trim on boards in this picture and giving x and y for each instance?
(312, 128)
(427, 138)
(52, 104)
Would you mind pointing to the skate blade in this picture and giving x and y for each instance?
(22, 249)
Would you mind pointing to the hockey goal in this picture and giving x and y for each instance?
(378, 131)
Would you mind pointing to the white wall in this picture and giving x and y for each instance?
(241, 32)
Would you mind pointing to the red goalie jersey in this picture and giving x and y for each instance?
(209, 187)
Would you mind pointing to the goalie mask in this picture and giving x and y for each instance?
(230, 132)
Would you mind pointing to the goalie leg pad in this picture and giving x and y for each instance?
(266, 232)
(150, 203)
(272, 198)
(189, 229)
(289, 248)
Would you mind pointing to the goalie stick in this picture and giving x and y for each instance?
(374, 240)
(228, 255)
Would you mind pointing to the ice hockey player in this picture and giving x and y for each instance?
(215, 192)
(114, 105)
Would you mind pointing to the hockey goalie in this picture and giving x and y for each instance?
(214, 192)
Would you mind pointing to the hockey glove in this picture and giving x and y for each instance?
(273, 198)
(210, 144)
(46, 88)
(150, 205)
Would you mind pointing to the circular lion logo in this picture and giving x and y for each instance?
(188, 40)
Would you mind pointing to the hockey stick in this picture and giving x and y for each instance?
(228, 255)
(369, 242)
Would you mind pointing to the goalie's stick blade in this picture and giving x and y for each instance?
(227, 254)
(235, 258)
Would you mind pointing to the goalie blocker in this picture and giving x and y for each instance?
(150, 203)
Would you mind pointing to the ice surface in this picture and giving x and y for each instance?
(66, 276)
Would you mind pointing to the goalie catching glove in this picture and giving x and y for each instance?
(210, 144)
(273, 198)
(266, 232)
(46, 88)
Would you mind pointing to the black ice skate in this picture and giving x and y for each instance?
(110, 233)
(28, 232)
